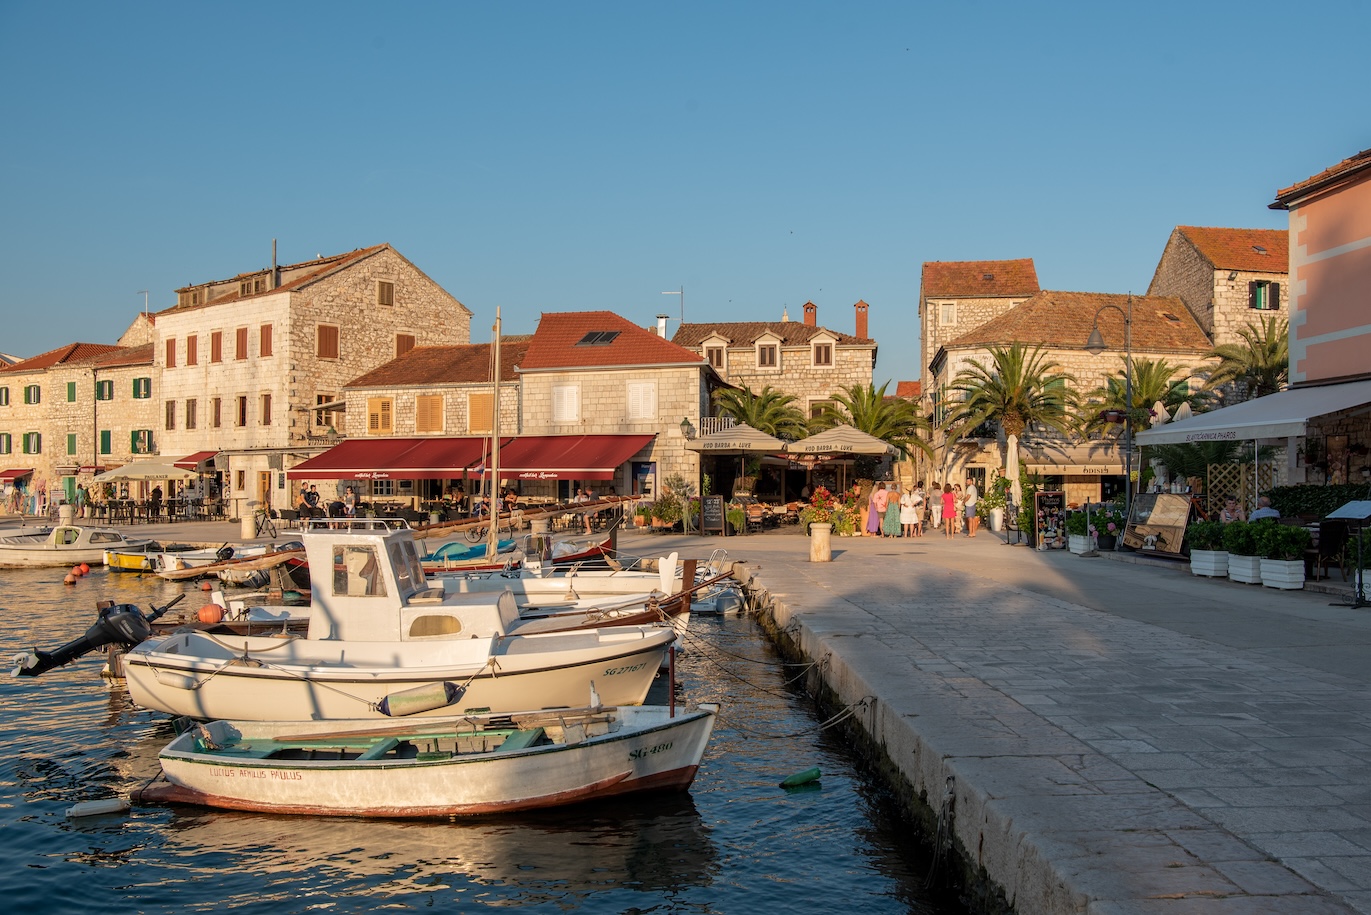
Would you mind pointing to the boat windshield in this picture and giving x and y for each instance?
(409, 574)
(356, 572)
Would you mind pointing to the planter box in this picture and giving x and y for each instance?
(1246, 569)
(1078, 543)
(1286, 574)
(1211, 563)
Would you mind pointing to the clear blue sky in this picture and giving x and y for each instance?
(567, 156)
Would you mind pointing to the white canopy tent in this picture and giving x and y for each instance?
(1282, 415)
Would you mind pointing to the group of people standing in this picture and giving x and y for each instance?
(893, 513)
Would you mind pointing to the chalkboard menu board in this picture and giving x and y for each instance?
(712, 510)
(1049, 521)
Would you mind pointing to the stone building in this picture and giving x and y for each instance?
(67, 413)
(1228, 278)
(805, 359)
(254, 366)
(958, 296)
(1061, 322)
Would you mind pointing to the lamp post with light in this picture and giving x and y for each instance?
(1096, 345)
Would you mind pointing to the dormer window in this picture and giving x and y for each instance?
(714, 355)
(768, 355)
(184, 299)
(823, 354)
(598, 338)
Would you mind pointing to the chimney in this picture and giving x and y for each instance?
(661, 326)
(811, 314)
(861, 308)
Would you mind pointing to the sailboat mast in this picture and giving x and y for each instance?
(492, 546)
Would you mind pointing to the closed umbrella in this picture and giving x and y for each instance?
(1011, 469)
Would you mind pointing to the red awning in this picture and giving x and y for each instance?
(392, 459)
(9, 476)
(196, 461)
(568, 457)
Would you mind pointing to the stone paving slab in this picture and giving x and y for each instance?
(1123, 737)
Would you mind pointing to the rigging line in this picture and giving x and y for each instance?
(833, 721)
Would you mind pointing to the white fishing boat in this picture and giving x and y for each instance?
(153, 556)
(437, 767)
(381, 641)
(63, 545)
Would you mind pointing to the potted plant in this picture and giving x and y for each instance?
(666, 511)
(1077, 533)
(1106, 524)
(736, 519)
(821, 509)
(990, 506)
(1244, 562)
(1282, 549)
(1207, 555)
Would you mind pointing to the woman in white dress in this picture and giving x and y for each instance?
(908, 512)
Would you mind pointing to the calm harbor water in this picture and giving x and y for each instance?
(736, 843)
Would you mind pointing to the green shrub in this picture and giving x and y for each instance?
(1312, 499)
(1239, 538)
(1075, 523)
(1280, 541)
(1205, 535)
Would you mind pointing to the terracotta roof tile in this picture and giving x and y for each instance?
(1252, 250)
(745, 333)
(72, 352)
(462, 364)
(1329, 176)
(555, 343)
(910, 390)
(1062, 320)
(125, 356)
(976, 279)
(321, 267)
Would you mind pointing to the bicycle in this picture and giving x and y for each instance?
(478, 533)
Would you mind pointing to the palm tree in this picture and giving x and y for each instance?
(771, 411)
(1153, 381)
(1018, 389)
(1260, 364)
(867, 408)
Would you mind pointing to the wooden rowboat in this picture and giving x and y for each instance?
(437, 767)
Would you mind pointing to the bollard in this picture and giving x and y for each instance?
(820, 542)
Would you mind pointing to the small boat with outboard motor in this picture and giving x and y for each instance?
(62, 545)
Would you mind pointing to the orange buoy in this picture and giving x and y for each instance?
(210, 613)
(206, 586)
(76, 571)
(85, 569)
(69, 580)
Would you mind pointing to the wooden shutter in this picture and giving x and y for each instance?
(265, 341)
(171, 353)
(428, 413)
(216, 346)
(403, 344)
(1274, 292)
(480, 416)
(240, 343)
(192, 350)
(380, 416)
(328, 341)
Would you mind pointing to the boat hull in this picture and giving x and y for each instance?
(269, 678)
(649, 751)
(62, 546)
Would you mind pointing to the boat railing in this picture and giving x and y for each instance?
(354, 525)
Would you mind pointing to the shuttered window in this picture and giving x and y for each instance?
(6, 446)
(142, 388)
(264, 341)
(216, 412)
(327, 335)
(192, 350)
(480, 417)
(71, 443)
(566, 403)
(642, 400)
(428, 413)
(106, 443)
(71, 392)
(240, 343)
(171, 353)
(266, 409)
(216, 346)
(191, 410)
(380, 416)
(403, 344)
(140, 441)
(385, 292)
(170, 409)
(1264, 295)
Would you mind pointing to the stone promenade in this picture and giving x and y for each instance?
(1122, 738)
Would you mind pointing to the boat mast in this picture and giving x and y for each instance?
(493, 538)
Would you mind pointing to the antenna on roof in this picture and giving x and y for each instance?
(144, 293)
(680, 292)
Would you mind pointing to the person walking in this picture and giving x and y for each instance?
(935, 505)
(949, 500)
(973, 519)
(880, 504)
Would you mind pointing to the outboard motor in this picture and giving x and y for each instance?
(224, 553)
(118, 624)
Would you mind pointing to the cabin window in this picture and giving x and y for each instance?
(357, 572)
(434, 625)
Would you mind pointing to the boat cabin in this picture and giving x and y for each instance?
(368, 586)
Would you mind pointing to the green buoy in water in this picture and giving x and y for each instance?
(801, 778)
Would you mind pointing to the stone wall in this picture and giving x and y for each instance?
(1219, 304)
(455, 408)
(798, 375)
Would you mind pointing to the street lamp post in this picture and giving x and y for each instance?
(1096, 345)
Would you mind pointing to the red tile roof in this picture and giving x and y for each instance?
(1251, 250)
(125, 356)
(555, 343)
(910, 390)
(317, 270)
(464, 364)
(1329, 176)
(746, 333)
(1063, 320)
(977, 279)
(72, 352)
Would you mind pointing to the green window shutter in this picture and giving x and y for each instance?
(4, 443)
(71, 442)
(71, 392)
(104, 441)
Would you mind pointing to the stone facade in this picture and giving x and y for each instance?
(322, 326)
